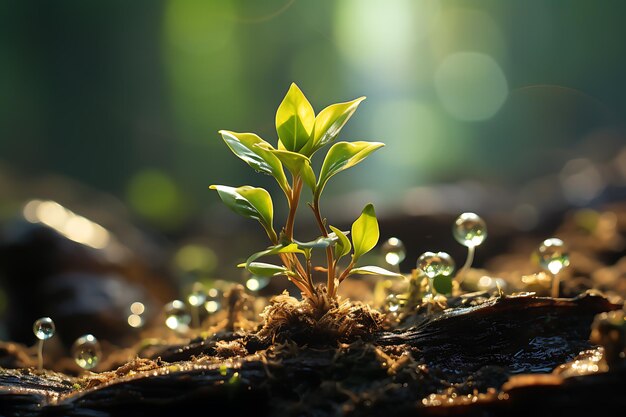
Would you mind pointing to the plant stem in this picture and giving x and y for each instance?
(468, 262)
(195, 317)
(291, 260)
(293, 207)
(40, 354)
(301, 280)
(555, 285)
(345, 273)
(329, 250)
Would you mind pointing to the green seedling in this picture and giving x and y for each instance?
(301, 133)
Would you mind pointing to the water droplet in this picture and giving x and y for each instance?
(433, 264)
(553, 255)
(394, 251)
(256, 283)
(177, 316)
(469, 230)
(86, 351)
(392, 303)
(198, 295)
(137, 308)
(44, 328)
(135, 320)
(214, 300)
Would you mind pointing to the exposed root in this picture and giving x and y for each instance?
(319, 322)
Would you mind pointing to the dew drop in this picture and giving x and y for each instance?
(553, 255)
(177, 316)
(44, 328)
(198, 295)
(394, 251)
(433, 264)
(392, 303)
(469, 230)
(255, 283)
(214, 300)
(86, 351)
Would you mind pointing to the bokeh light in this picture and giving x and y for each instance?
(471, 85)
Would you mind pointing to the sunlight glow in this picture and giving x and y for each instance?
(69, 224)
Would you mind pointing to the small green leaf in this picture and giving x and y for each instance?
(263, 269)
(251, 202)
(259, 158)
(442, 284)
(298, 165)
(295, 118)
(274, 250)
(341, 156)
(343, 246)
(365, 232)
(329, 123)
(319, 243)
(375, 270)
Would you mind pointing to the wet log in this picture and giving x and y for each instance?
(457, 362)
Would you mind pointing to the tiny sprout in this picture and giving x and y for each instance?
(196, 299)
(177, 316)
(44, 329)
(393, 251)
(469, 230)
(553, 257)
(435, 264)
(301, 134)
(86, 351)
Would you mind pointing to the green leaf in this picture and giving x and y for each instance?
(263, 269)
(365, 232)
(343, 246)
(442, 284)
(375, 270)
(251, 202)
(295, 118)
(319, 243)
(341, 156)
(329, 123)
(259, 158)
(299, 165)
(274, 250)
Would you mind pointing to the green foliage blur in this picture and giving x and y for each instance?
(128, 96)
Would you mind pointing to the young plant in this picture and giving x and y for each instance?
(301, 134)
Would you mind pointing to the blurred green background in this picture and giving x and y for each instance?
(109, 113)
(127, 96)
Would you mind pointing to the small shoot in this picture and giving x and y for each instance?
(552, 256)
(301, 133)
(86, 351)
(44, 329)
(469, 230)
(438, 267)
